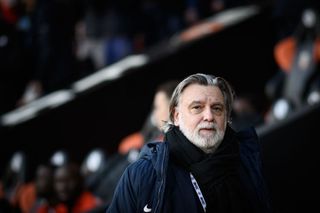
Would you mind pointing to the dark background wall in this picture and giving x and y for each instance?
(291, 159)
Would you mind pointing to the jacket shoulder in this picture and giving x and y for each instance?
(152, 150)
(250, 154)
(134, 187)
(249, 140)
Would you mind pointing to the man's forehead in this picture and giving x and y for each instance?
(201, 93)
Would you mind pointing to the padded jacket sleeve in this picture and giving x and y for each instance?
(135, 188)
(124, 198)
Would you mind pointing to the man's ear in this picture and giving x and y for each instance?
(176, 117)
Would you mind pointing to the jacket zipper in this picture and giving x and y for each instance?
(163, 180)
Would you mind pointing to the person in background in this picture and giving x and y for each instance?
(13, 63)
(43, 187)
(53, 43)
(203, 165)
(71, 195)
(245, 113)
(152, 127)
(5, 206)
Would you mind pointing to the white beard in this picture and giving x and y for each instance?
(205, 143)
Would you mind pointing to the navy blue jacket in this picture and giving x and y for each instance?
(155, 184)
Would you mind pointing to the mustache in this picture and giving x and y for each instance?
(207, 125)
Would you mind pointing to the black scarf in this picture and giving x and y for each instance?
(217, 174)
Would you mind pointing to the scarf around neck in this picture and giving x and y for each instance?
(216, 173)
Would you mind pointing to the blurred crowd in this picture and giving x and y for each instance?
(47, 44)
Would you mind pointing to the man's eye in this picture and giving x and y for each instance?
(217, 110)
(196, 109)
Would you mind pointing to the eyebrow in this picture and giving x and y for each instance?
(195, 102)
(200, 102)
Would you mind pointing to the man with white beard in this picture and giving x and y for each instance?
(203, 165)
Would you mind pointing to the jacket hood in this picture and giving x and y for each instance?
(158, 154)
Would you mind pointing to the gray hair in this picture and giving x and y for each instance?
(205, 80)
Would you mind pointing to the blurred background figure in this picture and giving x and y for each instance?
(245, 113)
(71, 195)
(152, 128)
(44, 191)
(13, 69)
(59, 158)
(102, 36)
(53, 43)
(298, 81)
(92, 168)
(5, 206)
(16, 180)
(197, 10)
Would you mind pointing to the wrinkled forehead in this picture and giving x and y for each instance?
(202, 94)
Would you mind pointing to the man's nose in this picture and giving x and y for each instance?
(208, 114)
